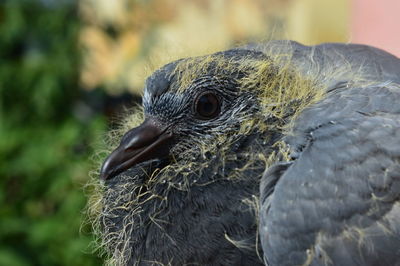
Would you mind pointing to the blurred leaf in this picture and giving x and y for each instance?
(44, 142)
(8, 257)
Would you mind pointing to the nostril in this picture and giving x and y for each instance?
(141, 136)
(138, 141)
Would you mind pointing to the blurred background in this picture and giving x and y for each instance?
(68, 67)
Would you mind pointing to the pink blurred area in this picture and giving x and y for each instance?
(376, 23)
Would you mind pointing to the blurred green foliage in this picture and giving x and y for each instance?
(46, 136)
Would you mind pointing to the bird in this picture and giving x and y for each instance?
(272, 153)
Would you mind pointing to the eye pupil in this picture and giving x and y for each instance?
(207, 106)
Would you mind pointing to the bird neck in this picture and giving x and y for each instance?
(155, 214)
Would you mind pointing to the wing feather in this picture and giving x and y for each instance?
(338, 203)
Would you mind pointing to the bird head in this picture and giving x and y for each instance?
(191, 107)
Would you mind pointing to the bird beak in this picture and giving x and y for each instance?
(148, 141)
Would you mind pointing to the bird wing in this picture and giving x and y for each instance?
(338, 201)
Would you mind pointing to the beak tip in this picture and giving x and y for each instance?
(106, 171)
(103, 176)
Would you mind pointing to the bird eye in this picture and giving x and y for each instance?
(207, 106)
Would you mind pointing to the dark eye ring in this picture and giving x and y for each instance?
(207, 106)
